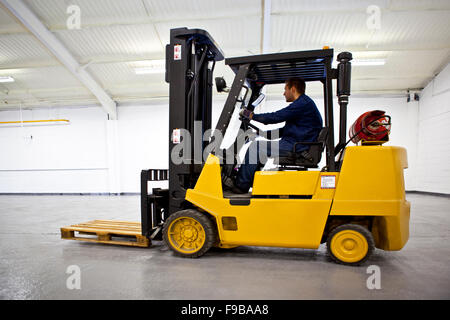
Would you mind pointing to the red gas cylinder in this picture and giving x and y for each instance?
(371, 126)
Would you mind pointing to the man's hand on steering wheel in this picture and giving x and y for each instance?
(246, 114)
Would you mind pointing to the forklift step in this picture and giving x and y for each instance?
(107, 231)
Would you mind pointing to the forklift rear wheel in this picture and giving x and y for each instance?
(189, 233)
(350, 244)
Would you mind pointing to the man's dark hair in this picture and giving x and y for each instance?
(298, 83)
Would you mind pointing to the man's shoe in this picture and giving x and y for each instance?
(228, 184)
(238, 191)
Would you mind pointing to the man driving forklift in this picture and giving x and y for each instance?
(303, 123)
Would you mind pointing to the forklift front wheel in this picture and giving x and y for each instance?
(350, 244)
(189, 233)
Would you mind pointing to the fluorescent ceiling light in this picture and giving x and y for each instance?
(6, 79)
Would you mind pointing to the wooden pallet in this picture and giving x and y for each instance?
(107, 231)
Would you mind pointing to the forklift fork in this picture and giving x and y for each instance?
(154, 205)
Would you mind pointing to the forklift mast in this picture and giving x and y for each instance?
(190, 61)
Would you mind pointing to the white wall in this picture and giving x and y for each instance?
(433, 169)
(53, 159)
(143, 143)
(402, 129)
(96, 155)
(403, 115)
(90, 155)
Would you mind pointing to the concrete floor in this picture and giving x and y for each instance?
(34, 260)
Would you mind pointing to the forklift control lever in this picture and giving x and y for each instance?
(258, 100)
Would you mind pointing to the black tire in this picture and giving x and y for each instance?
(366, 234)
(209, 228)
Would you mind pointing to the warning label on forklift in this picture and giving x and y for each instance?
(176, 136)
(328, 182)
(177, 52)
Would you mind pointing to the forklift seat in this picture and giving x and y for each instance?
(306, 159)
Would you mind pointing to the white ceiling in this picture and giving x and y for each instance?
(414, 39)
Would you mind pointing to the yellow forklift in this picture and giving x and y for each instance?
(354, 204)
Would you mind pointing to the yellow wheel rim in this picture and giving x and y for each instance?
(186, 235)
(349, 246)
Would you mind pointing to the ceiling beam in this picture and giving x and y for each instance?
(37, 28)
(265, 25)
(155, 29)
